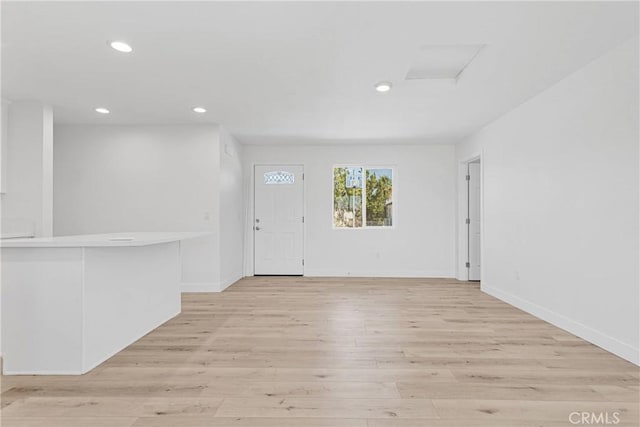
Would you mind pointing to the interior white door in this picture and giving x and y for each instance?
(473, 222)
(278, 221)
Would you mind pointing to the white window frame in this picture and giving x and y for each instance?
(365, 167)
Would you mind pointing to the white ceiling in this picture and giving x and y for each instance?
(298, 72)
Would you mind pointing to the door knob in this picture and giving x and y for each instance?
(257, 228)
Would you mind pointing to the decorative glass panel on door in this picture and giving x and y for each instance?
(279, 177)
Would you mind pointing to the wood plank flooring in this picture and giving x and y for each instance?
(298, 352)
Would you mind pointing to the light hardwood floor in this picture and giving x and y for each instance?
(296, 352)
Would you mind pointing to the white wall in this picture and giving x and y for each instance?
(27, 203)
(3, 144)
(422, 242)
(560, 203)
(3, 179)
(142, 178)
(3, 176)
(231, 210)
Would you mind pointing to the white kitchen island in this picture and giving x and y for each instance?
(70, 303)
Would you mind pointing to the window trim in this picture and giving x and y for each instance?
(365, 167)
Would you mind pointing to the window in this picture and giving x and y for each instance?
(362, 197)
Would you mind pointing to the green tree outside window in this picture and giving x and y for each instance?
(349, 184)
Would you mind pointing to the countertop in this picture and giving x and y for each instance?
(101, 240)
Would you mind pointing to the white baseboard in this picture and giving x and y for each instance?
(209, 286)
(226, 283)
(390, 274)
(42, 373)
(606, 342)
(199, 287)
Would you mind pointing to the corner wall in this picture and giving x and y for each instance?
(114, 178)
(560, 203)
(231, 210)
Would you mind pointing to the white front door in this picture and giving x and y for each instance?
(473, 221)
(278, 220)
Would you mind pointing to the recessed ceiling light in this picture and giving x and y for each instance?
(121, 46)
(102, 110)
(199, 110)
(383, 86)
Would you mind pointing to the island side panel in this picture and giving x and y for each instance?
(128, 292)
(42, 310)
